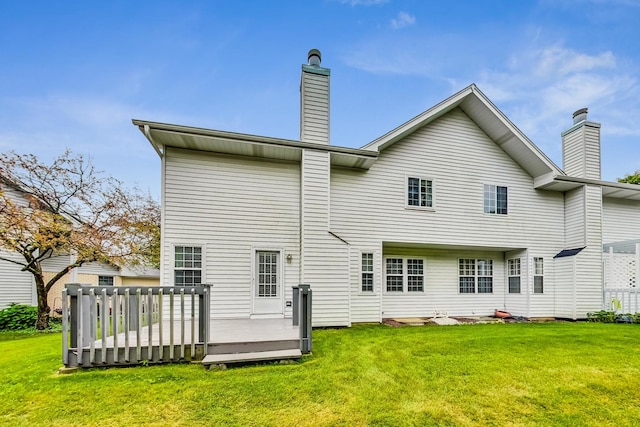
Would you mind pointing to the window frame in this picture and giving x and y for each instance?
(369, 272)
(480, 267)
(514, 271)
(420, 179)
(201, 269)
(538, 275)
(405, 275)
(106, 277)
(493, 208)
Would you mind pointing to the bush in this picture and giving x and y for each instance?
(18, 317)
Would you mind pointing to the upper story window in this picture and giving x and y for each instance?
(514, 275)
(475, 275)
(495, 199)
(538, 275)
(404, 274)
(367, 272)
(419, 192)
(187, 265)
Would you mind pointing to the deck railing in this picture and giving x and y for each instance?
(625, 300)
(125, 325)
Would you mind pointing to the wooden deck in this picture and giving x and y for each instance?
(120, 326)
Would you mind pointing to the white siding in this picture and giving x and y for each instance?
(581, 152)
(325, 259)
(517, 303)
(368, 207)
(564, 291)
(231, 206)
(442, 286)
(15, 285)
(620, 220)
(365, 306)
(589, 281)
(575, 218)
(314, 120)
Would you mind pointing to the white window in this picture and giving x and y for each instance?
(514, 275)
(472, 272)
(419, 192)
(268, 273)
(538, 275)
(404, 270)
(495, 199)
(105, 280)
(367, 272)
(187, 265)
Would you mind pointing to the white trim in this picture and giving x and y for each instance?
(360, 273)
(496, 214)
(420, 177)
(203, 268)
(533, 275)
(163, 216)
(405, 275)
(254, 250)
(519, 275)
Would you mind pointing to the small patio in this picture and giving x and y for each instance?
(172, 324)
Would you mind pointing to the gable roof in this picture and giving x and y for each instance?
(489, 119)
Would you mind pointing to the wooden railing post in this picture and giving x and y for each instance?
(296, 306)
(305, 318)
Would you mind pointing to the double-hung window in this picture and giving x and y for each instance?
(513, 266)
(187, 265)
(419, 192)
(495, 199)
(367, 272)
(404, 274)
(475, 275)
(538, 275)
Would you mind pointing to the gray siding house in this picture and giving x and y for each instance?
(455, 211)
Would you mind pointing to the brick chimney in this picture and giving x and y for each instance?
(314, 100)
(581, 147)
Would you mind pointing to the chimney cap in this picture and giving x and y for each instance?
(580, 115)
(314, 57)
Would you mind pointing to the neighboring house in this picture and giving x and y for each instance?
(17, 286)
(454, 211)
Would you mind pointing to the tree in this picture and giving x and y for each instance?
(70, 208)
(631, 178)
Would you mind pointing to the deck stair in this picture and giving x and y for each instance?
(255, 356)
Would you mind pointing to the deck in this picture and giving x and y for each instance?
(164, 324)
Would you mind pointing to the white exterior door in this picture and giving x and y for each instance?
(267, 283)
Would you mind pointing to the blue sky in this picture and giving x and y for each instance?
(74, 74)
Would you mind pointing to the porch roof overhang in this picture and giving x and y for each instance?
(489, 119)
(162, 135)
(447, 246)
(562, 183)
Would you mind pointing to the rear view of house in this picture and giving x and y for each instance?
(454, 211)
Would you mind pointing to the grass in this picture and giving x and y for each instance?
(507, 374)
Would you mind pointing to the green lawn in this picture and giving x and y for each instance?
(506, 374)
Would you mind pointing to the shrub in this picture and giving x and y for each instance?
(18, 317)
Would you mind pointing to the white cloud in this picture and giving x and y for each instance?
(402, 20)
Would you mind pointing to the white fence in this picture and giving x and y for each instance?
(622, 277)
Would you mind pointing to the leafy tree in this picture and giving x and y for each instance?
(69, 208)
(631, 178)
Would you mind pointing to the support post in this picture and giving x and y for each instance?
(296, 306)
(305, 318)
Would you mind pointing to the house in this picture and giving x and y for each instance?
(17, 286)
(455, 211)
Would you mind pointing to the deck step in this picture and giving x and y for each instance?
(256, 356)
